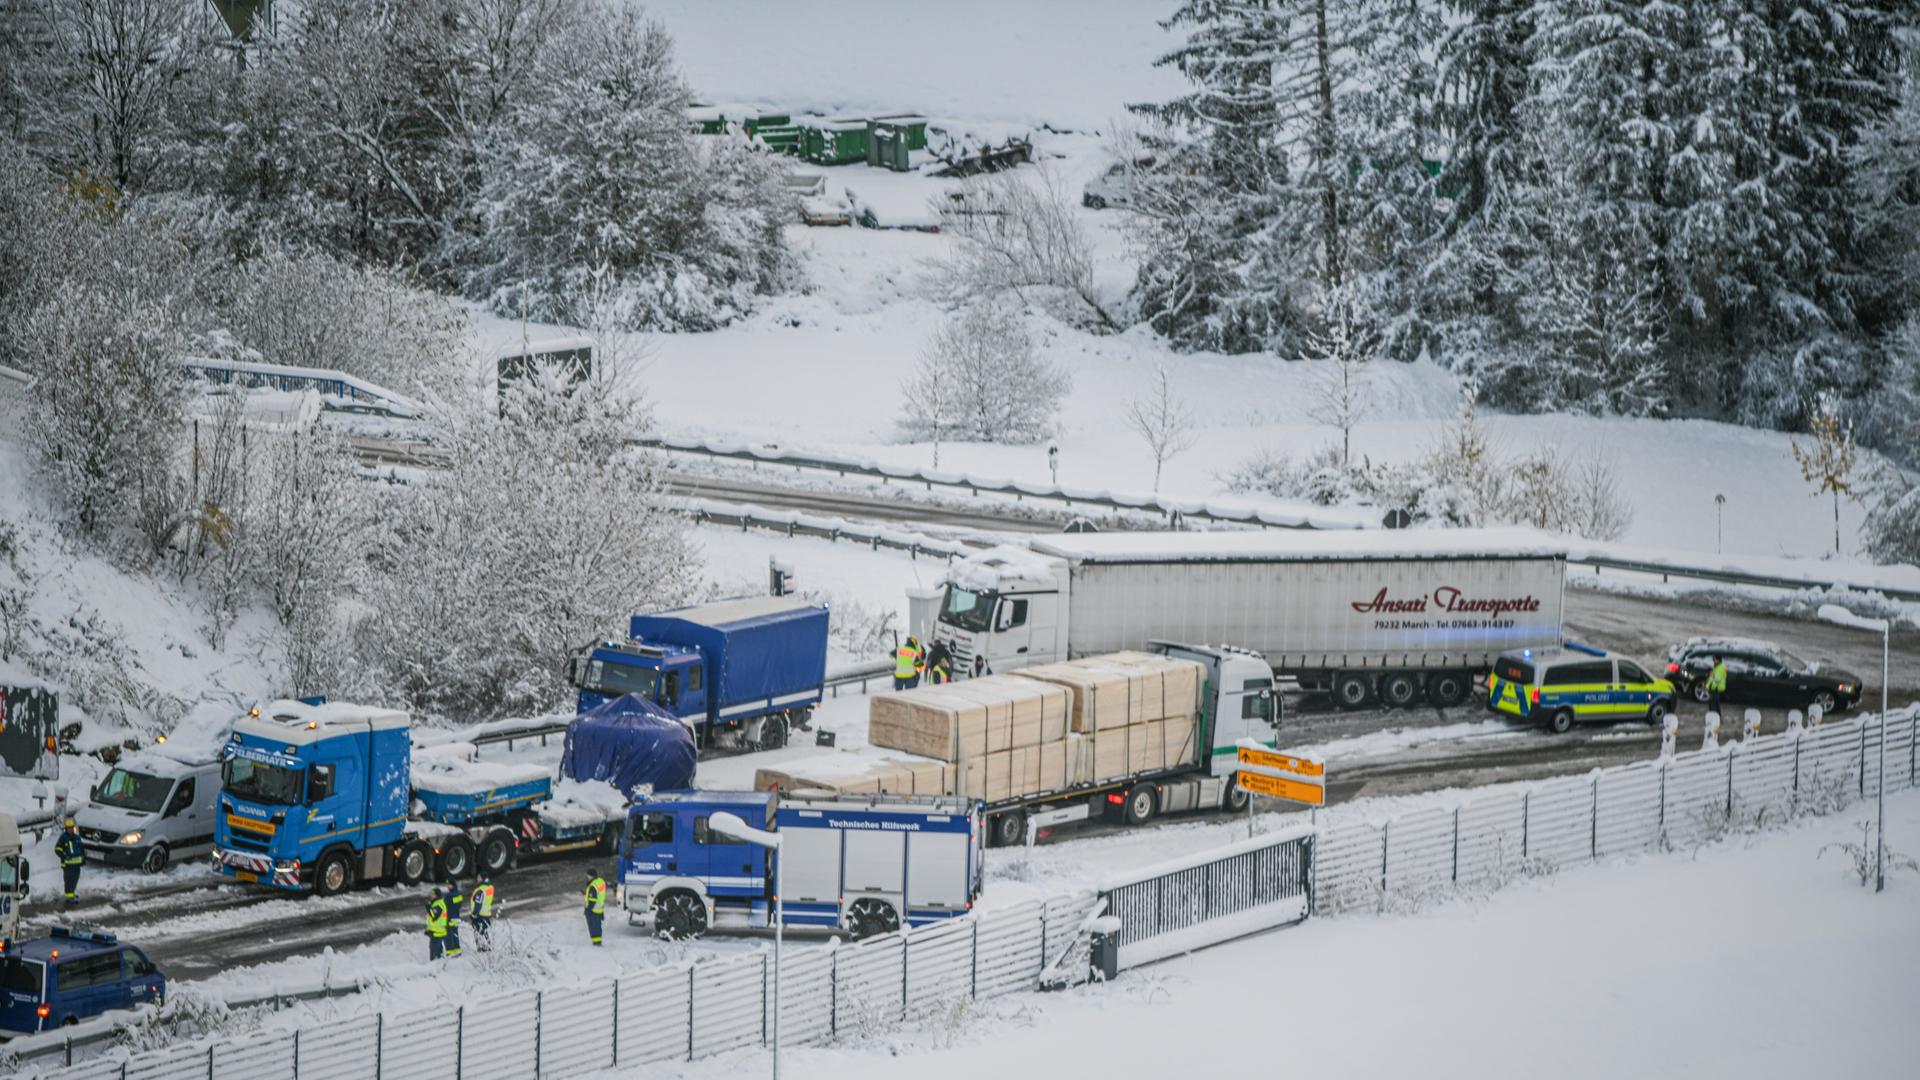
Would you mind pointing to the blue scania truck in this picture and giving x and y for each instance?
(319, 797)
(742, 673)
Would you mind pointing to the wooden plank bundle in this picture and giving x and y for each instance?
(892, 776)
(962, 721)
(1121, 689)
(1136, 748)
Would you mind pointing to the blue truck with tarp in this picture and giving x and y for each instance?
(742, 673)
(862, 865)
(325, 796)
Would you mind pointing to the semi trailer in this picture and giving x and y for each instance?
(1109, 757)
(1392, 616)
(319, 797)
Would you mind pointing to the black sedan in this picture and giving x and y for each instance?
(1760, 673)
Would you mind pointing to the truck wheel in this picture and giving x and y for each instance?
(1010, 828)
(609, 839)
(1139, 808)
(496, 851)
(1236, 797)
(1400, 691)
(869, 918)
(1352, 690)
(679, 916)
(1447, 688)
(456, 858)
(773, 733)
(334, 875)
(414, 863)
(1561, 722)
(156, 859)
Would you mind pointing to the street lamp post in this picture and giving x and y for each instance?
(731, 825)
(1719, 512)
(1840, 616)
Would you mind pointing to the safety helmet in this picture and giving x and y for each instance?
(71, 823)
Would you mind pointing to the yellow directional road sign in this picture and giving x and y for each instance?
(1274, 759)
(1281, 788)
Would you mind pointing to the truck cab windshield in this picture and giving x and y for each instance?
(258, 782)
(133, 791)
(9, 873)
(607, 677)
(966, 609)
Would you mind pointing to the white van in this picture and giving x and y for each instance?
(149, 810)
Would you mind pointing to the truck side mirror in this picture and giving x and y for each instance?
(319, 783)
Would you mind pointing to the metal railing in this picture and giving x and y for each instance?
(1676, 802)
(678, 1012)
(1585, 554)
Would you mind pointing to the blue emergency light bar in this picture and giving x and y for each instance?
(1588, 649)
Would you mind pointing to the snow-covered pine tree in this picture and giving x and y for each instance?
(1211, 189)
(1390, 123)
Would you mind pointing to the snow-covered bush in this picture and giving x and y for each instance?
(107, 400)
(543, 532)
(592, 187)
(1015, 232)
(980, 379)
(319, 312)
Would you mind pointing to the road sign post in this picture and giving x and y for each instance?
(1278, 775)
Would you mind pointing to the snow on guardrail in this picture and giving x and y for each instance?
(1896, 582)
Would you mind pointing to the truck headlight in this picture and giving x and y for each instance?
(132, 837)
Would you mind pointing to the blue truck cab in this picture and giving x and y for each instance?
(739, 672)
(71, 975)
(864, 865)
(312, 796)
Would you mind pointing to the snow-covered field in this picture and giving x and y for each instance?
(1757, 957)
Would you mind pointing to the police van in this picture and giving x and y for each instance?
(1574, 683)
(71, 975)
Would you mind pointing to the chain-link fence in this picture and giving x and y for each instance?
(1674, 802)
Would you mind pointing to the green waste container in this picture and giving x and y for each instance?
(913, 124)
(836, 141)
(887, 148)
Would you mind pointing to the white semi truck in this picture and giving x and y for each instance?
(1394, 616)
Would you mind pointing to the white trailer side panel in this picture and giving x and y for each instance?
(937, 870)
(876, 861)
(1323, 613)
(812, 871)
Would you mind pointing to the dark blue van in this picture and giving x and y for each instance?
(71, 975)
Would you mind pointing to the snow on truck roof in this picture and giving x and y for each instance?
(727, 612)
(1302, 545)
(297, 722)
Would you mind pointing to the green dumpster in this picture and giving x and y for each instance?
(914, 125)
(836, 141)
(887, 147)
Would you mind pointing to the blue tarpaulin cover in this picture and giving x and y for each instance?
(630, 741)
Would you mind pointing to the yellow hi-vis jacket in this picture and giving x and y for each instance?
(437, 918)
(906, 661)
(597, 896)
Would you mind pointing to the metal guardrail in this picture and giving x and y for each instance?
(1170, 508)
(1174, 510)
(1732, 577)
(108, 1030)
